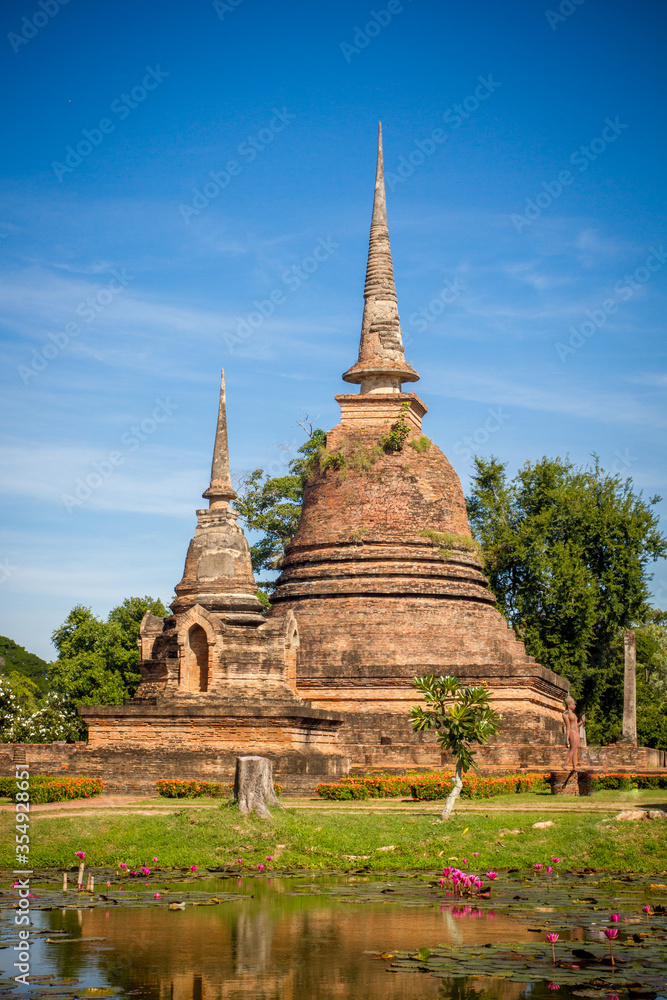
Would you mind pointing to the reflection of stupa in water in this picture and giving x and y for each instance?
(276, 947)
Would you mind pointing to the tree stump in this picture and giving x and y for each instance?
(253, 786)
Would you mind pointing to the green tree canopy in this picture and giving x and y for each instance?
(14, 659)
(97, 660)
(567, 551)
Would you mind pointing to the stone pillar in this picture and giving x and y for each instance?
(630, 689)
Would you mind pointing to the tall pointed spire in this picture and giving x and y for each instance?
(220, 492)
(381, 366)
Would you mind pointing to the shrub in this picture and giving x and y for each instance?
(626, 782)
(343, 791)
(476, 787)
(45, 788)
(420, 444)
(176, 788)
(429, 787)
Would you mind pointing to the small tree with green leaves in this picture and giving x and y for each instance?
(462, 717)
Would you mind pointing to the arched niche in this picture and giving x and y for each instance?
(196, 673)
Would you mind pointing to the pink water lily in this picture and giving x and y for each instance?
(538, 866)
(122, 865)
(475, 854)
(552, 938)
(80, 855)
(269, 858)
(647, 909)
(553, 986)
(193, 868)
(157, 895)
(615, 917)
(611, 932)
(556, 860)
(549, 869)
(108, 884)
(153, 860)
(238, 861)
(261, 867)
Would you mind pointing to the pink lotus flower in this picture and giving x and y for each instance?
(552, 938)
(475, 854)
(261, 867)
(464, 861)
(555, 860)
(80, 855)
(647, 910)
(133, 873)
(153, 860)
(615, 917)
(238, 861)
(538, 866)
(108, 884)
(157, 895)
(553, 986)
(611, 932)
(122, 865)
(269, 858)
(145, 870)
(549, 869)
(193, 868)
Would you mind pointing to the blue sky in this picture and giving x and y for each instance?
(168, 166)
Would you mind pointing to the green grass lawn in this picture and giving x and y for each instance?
(351, 838)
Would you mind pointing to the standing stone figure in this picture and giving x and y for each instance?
(571, 726)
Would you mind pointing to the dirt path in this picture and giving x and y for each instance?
(124, 805)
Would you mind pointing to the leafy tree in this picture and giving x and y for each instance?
(567, 550)
(16, 659)
(462, 717)
(97, 661)
(272, 506)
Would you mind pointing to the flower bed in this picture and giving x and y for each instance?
(627, 782)
(175, 788)
(46, 788)
(427, 787)
(430, 787)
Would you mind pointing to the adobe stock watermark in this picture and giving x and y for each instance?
(467, 446)
(88, 310)
(22, 884)
(378, 21)
(454, 116)
(223, 7)
(581, 158)
(249, 149)
(624, 289)
(565, 9)
(31, 26)
(104, 469)
(427, 314)
(6, 570)
(122, 106)
(623, 462)
(293, 278)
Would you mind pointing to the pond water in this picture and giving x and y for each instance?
(290, 939)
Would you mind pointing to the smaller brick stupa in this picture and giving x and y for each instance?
(218, 679)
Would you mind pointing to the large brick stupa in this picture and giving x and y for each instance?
(383, 577)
